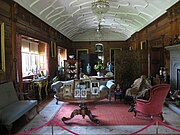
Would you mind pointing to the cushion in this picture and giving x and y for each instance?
(15, 110)
(110, 84)
(8, 94)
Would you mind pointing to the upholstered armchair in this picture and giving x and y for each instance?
(153, 106)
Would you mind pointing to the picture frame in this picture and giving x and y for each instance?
(81, 88)
(79, 52)
(84, 93)
(94, 88)
(2, 48)
(67, 90)
(87, 83)
(82, 84)
(77, 93)
(144, 45)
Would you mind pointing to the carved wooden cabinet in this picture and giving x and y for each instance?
(71, 69)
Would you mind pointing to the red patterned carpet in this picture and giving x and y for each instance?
(114, 113)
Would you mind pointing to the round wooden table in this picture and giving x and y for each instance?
(83, 109)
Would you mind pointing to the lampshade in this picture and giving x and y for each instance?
(100, 7)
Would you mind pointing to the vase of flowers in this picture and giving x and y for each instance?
(98, 67)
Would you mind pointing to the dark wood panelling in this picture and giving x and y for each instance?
(161, 32)
(19, 21)
(91, 47)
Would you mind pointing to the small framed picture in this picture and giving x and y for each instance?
(67, 90)
(76, 84)
(87, 83)
(94, 88)
(84, 93)
(77, 93)
(82, 84)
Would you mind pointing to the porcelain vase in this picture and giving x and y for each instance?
(98, 74)
(88, 69)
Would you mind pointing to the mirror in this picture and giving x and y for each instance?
(2, 49)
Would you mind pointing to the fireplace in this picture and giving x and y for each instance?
(174, 66)
(174, 104)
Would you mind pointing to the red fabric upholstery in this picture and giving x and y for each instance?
(154, 105)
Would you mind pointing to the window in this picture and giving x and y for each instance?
(33, 57)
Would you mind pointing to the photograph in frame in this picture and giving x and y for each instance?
(77, 93)
(67, 91)
(84, 93)
(87, 84)
(94, 88)
(82, 84)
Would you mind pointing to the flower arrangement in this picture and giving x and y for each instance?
(98, 67)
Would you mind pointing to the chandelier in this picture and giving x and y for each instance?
(100, 7)
(99, 32)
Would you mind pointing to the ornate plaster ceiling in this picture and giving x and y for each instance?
(75, 19)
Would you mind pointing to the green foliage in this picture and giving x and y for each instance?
(98, 67)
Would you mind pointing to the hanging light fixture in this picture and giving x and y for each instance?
(100, 7)
(99, 34)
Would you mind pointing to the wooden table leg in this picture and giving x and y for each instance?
(39, 90)
(46, 88)
(82, 111)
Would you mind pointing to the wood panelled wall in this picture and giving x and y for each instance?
(91, 47)
(19, 21)
(158, 34)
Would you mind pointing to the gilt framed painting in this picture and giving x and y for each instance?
(2, 48)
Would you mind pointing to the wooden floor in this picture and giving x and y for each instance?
(17, 125)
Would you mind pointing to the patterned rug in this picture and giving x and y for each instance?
(114, 113)
(100, 109)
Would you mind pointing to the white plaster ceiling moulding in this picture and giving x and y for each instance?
(76, 20)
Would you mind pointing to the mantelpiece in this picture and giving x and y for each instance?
(174, 76)
(174, 65)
